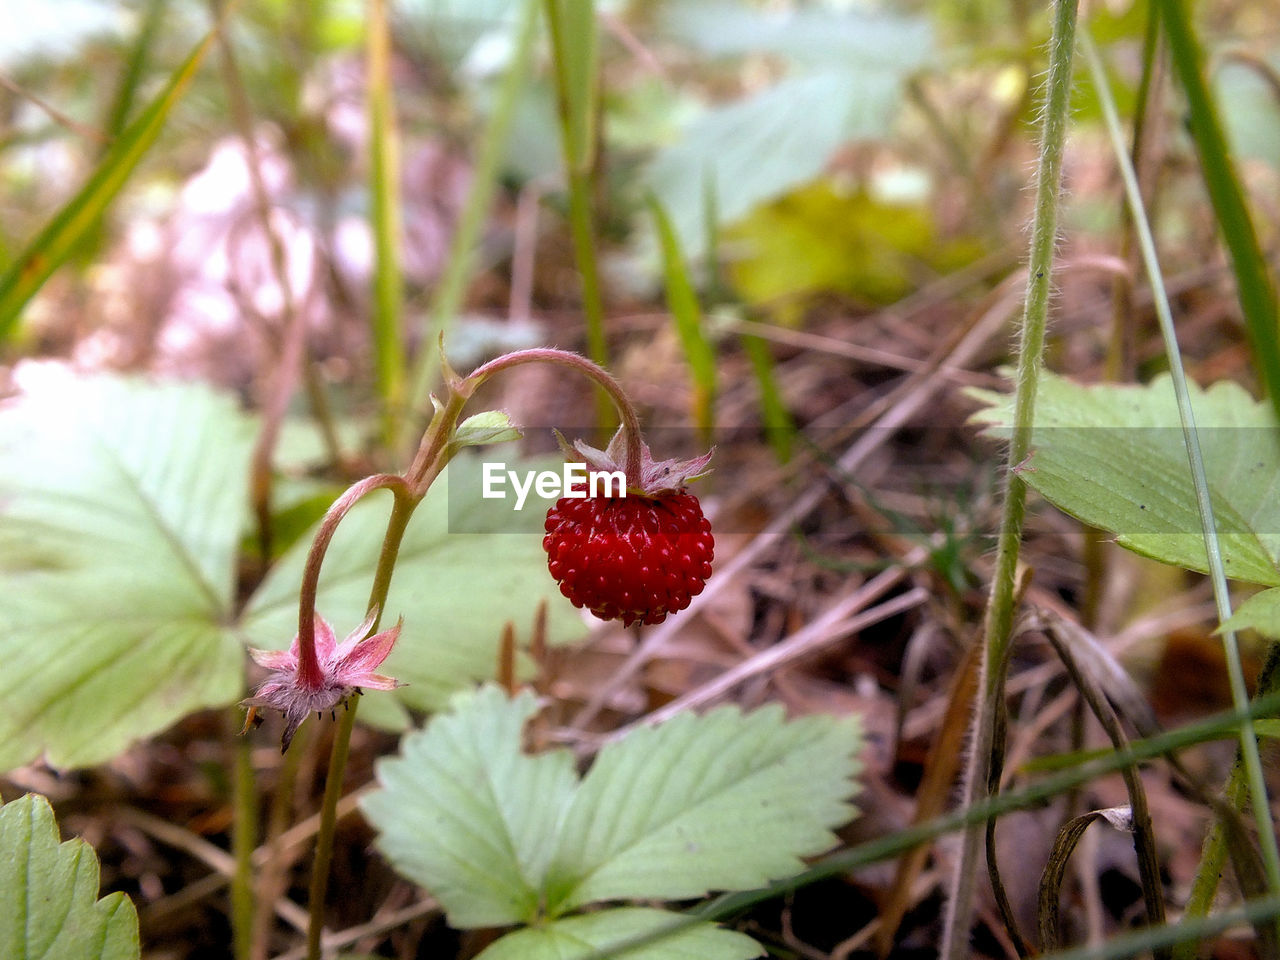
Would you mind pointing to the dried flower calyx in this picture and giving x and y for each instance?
(654, 478)
(342, 669)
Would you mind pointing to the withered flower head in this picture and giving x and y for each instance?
(344, 668)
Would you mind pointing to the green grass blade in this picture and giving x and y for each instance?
(581, 55)
(384, 193)
(462, 249)
(1253, 282)
(683, 304)
(1222, 597)
(127, 92)
(778, 425)
(711, 219)
(59, 240)
(568, 26)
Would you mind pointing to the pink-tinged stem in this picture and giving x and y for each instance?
(626, 412)
(396, 526)
(430, 459)
(309, 674)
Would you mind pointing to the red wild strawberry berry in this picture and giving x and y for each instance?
(632, 558)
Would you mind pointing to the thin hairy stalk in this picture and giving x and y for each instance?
(1208, 524)
(578, 176)
(465, 243)
(271, 875)
(244, 837)
(401, 512)
(998, 624)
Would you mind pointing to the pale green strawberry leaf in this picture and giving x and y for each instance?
(1114, 457)
(581, 936)
(465, 814)
(454, 585)
(49, 906)
(1259, 612)
(845, 84)
(121, 505)
(724, 801)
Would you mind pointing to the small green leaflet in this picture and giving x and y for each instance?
(1260, 612)
(492, 426)
(1114, 457)
(49, 906)
(580, 936)
(464, 813)
(724, 801)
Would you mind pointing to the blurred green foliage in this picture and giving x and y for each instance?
(821, 239)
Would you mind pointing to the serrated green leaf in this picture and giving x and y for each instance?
(455, 588)
(571, 937)
(725, 801)
(468, 816)
(49, 906)
(120, 510)
(492, 426)
(1260, 612)
(1114, 457)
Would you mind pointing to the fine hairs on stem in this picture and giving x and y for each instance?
(998, 625)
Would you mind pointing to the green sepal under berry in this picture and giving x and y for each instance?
(656, 477)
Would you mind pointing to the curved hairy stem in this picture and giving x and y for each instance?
(998, 625)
